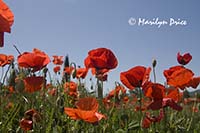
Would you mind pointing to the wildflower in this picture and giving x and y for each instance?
(5, 59)
(126, 99)
(56, 69)
(160, 100)
(135, 77)
(57, 60)
(33, 83)
(52, 92)
(11, 89)
(148, 120)
(6, 21)
(184, 59)
(119, 89)
(178, 76)
(117, 94)
(71, 88)
(30, 116)
(81, 73)
(26, 124)
(101, 58)
(86, 110)
(35, 60)
(68, 70)
(181, 77)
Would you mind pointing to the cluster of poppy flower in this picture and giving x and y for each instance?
(177, 77)
(102, 60)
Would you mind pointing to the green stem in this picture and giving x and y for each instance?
(165, 118)
(17, 49)
(140, 106)
(2, 73)
(154, 74)
(100, 89)
(4, 78)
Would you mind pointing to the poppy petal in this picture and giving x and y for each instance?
(171, 103)
(33, 84)
(88, 103)
(178, 76)
(71, 113)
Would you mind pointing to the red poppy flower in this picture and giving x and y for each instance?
(56, 69)
(101, 58)
(71, 88)
(26, 124)
(6, 21)
(52, 92)
(33, 84)
(35, 60)
(126, 99)
(11, 89)
(135, 77)
(57, 60)
(81, 73)
(148, 120)
(116, 91)
(68, 70)
(30, 116)
(86, 110)
(178, 76)
(5, 59)
(33, 115)
(160, 99)
(184, 59)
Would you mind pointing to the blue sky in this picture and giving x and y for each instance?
(73, 27)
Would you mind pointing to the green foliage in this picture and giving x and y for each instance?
(120, 118)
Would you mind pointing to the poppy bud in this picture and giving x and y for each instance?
(154, 63)
(74, 73)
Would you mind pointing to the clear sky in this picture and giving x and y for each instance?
(73, 27)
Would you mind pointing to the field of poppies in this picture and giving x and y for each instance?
(31, 100)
